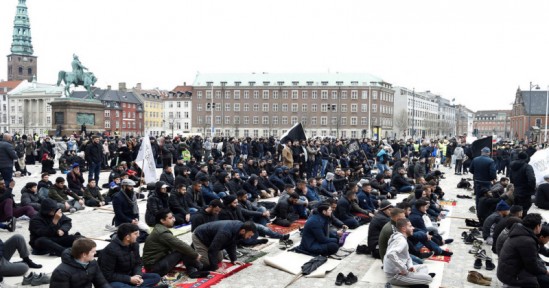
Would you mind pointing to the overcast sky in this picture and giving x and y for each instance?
(478, 52)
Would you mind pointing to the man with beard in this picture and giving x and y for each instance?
(287, 155)
(207, 214)
(317, 238)
(523, 177)
(167, 176)
(483, 169)
(194, 196)
(125, 207)
(400, 182)
(163, 251)
(157, 200)
(178, 205)
(212, 238)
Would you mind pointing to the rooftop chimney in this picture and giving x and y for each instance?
(108, 87)
(184, 83)
(122, 86)
(138, 86)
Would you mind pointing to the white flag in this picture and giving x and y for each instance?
(145, 159)
(540, 163)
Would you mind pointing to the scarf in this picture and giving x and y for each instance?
(132, 201)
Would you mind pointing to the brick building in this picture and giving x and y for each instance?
(493, 122)
(528, 115)
(262, 105)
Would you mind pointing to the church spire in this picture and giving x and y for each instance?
(22, 40)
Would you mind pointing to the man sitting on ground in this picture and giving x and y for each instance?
(212, 238)
(382, 217)
(163, 251)
(502, 210)
(8, 211)
(207, 214)
(92, 195)
(7, 249)
(398, 265)
(284, 210)
(60, 193)
(121, 263)
(317, 239)
(78, 267)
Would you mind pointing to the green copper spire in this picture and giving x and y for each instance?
(22, 40)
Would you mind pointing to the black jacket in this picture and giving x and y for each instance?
(123, 208)
(518, 255)
(217, 236)
(94, 153)
(523, 177)
(156, 202)
(202, 217)
(194, 198)
(41, 224)
(119, 263)
(70, 274)
(29, 198)
(379, 220)
(167, 178)
(178, 203)
(542, 196)
(230, 213)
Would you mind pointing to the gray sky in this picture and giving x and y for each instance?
(478, 52)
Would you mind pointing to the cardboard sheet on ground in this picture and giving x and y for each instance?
(376, 275)
(291, 262)
(356, 237)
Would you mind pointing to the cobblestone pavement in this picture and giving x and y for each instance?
(91, 223)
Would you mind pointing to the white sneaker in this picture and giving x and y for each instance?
(24, 218)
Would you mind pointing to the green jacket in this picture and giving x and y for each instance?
(61, 195)
(384, 236)
(160, 243)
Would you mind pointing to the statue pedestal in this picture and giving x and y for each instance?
(70, 113)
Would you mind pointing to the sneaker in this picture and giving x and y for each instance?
(476, 248)
(472, 223)
(481, 254)
(469, 239)
(472, 209)
(12, 224)
(27, 279)
(31, 264)
(489, 265)
(340, 279)
(72, 210)
(351, 279)
(40, 279)
(475, 232)
(446, 253)
(478, 264)
(448, 241)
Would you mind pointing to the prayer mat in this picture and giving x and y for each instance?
(448, 203)
(441, 258)
(286, 230)
(260, 247)
(249, 255)
(212, 279)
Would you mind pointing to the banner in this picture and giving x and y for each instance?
(479, 144)
(540, 163)
(295, 133)
(145, 158)
(353, 146)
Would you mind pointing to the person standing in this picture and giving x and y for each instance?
(483, 169)
(7, 156)
(398, 265)
(523, 177)
(94, 157)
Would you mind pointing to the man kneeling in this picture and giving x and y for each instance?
(317, 238)
(163, 250)
(397, 264)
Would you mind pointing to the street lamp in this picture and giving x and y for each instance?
(546, 109)
(339, 83)
(530, 109)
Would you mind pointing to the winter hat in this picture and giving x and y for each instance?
(502, 206)
(227, 200)
(522, 156)
(485, 150)
(329, 176)
(75, 165)
(515, 209)
(385, 204)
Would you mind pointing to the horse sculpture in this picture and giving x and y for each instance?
(69, 78)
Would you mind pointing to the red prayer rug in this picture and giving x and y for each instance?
(214, 277)
(286, 230)
(437, 257)
(448, 203)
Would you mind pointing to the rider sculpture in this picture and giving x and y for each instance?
(77, 77)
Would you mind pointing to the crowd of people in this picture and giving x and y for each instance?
(215, 184)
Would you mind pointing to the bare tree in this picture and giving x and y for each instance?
(401, 122)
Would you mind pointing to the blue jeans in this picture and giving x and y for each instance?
(324, 164)
(260, 219)
(381, 168)
(193, 210)
(93, 173)
(406, 189)
(149, 280)
(7, 175)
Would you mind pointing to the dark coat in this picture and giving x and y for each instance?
(523, 177)
(316, 233)
(229, 213)
(70, 274)
(217, 236)
(41, 225)
(379, 220)
(202, 217)
(178, 203)
(29, 198)
(194, 199)
(343, 210)
(519, 255)
(94, 153)
(416, 218)
(483, 168)
(542, 196)
(156, 202)
(75, 182)
(119, 263)
(7, 155)
(123, 209)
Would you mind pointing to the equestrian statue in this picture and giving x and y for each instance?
(77, 77)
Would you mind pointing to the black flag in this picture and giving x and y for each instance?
(353, 147)
(295, 133)
(479, 144)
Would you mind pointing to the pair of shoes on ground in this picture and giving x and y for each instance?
(481, 256)
(363, 249)
(477, 278)
(477, 246)
(472, 223)
(469, 238)
(36, 279)
(464, 196)
(350, 279)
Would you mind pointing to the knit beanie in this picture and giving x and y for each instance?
(329, 176)
(227, 200)
(502, 206)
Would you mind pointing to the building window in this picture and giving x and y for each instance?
(107, 113)
(363, 121)
(324, 108)
(236, 107)
(343, 121)
(255, 120)
(374, 107)
(313, 121)
(304, 95)
(265, 107)
(353, 121)
(294, 120)
(48, 119)
(314, 95)
(324, 94)
(107, 124)
(303, 107)
(217, 94)
(334, 94)
(117, 124)
(227, 106)
(354, 94)
(275, 94)
(256, 133)
(123, 124)
(343, 94)
(323, 121)
(186, 115)
(199, 107)
(275, 107)
(186, 125)
(227, 120)
(124, 114)
(246, 94)
(284, 94)
(217, 107)
(294, 94)
(374, 95)
(237, 94)
(275, 120)
(284, 120)
(246, 120)
(256, 94)
(313, 107)
(178, 104)
(364, 108)
(265, 120)
(227, 94)
(265, 94)
(217, 119)
(274, 132)
(294, 107)
(284, 107)
(256, 107)
(246, 107)
(236, 119)
(354, 107)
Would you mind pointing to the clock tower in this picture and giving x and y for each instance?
(22, 64)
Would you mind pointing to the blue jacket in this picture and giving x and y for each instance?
(483, 168)
(208, 194)
(416, 218)
(365, 201)
(7, 155)
(316, 232)
(311, 194)
(217, 236)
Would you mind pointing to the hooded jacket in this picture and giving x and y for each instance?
(72, 274)
(156, 202)
(523, 177)
(41, 225)
(519, 256)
